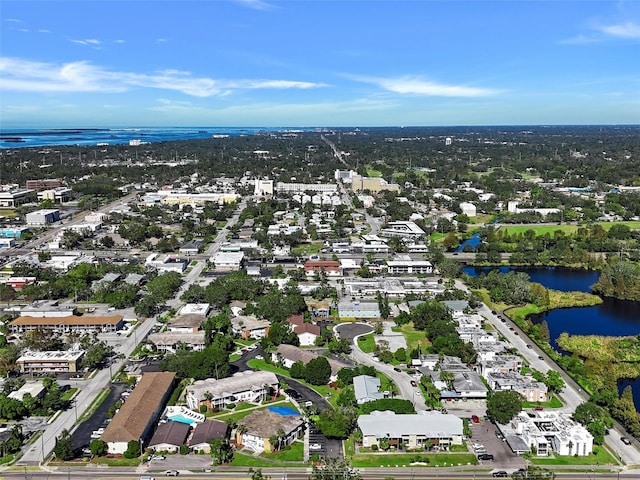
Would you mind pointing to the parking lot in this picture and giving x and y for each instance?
(485, 433)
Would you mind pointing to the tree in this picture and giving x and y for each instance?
(337, 423)
(334, 468)
(98, 447)
(503, 406)
(63, 448)
(297, 369)
(318, 371)
(257, 474)
(221, 451)
(554, 382)
(133, 449)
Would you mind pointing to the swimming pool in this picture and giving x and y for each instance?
(284, 411)
(181, 419)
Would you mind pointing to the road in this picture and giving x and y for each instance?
(401, 379)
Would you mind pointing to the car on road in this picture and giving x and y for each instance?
(475, 419)
(485, 456)
(397, 369)
(540, 357)
(625, 440)
(529, 346)
(413, 383)
(500, 473)
(172, 473)
(315, 446)
(158, 457)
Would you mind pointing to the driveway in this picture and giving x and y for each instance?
(503, 458)
(352, 330)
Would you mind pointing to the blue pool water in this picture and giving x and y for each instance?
(181, 419)
(284, 411)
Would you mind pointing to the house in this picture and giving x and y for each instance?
(205, 433)
(247, 386)
(172, 341)
(248, 326)
(169, 437)
(287, 355)
(307, 332)
(423, 429)
(139, 414)
(50, 362)
(228, 261)
(329, 267)
(257, 430)
(367, 389)
(192, 247)
(35, 389)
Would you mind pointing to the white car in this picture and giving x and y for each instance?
(315, 446)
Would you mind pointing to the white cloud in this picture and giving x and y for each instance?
(44, 30)
(24, 75)
(411, 85)
(622, 30)
(580, 40)
(92, 42)
(119, 41)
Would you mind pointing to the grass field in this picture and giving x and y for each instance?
(406, 459)
(601, 457)
(295, 453)
(307, 249)
(367, 343)
(555, 402)
(413, 337)
(566, 228)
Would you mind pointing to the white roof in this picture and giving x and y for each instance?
(431, 424)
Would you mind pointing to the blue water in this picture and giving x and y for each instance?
(284, 411)
(32, 137)
(562, 279)
(473, 242)
(181, 419)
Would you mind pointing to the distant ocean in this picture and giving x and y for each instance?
(27, 137)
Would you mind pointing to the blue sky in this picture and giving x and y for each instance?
(312, 63)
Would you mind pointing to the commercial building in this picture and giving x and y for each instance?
(228, 261)
(423, 429)
(50, 362)
(56, 195)
(405, 265)
(247, 386)
(138, 415)
(43, 184)
(402, 230)
(15, 198)
(263, 187)
(282, 187)
(43, 217)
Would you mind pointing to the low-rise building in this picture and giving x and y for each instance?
(186, 323)
(287, 355)
(228, 261)
(404, 264)
(355, 309)
(205, 433)
(79, 324)
(138, 415)
(247, 386)
(171, 342)
(258, 428)
(248, 326)
(43, 217)
(328, 267)
(531, 390)
(35, 389)
(17, 197)
(192, 247)
(307, 332)
(366, 389)
(423, 429)
(402, 229)
(50, 362)
(169, 437)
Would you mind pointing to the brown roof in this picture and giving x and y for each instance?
(307, 327)
(294, 354)
(188, 320)
(170, 433)
(137, 412)
(297, 319)
(209, 430)
(265, 423)
(71, 320)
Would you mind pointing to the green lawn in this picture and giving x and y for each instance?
(307, 248)
(295, 453)
(66, 396)
(555, 402)
(406, 459)
(413, 337)
(234, 356)
(367, 343)
(601, 457)
(268, 367)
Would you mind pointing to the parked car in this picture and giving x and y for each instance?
(529, 346)
(485, 456)
(315, 446)
(413, 383)
(538, 408)
(172, 473)
(625, 440)
(500, 473)
(158, 457)
(475, 419)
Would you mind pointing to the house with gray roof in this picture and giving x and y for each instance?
(423, 429)
(205, 433)
(366, 389)
(247, 386)
(169, 436)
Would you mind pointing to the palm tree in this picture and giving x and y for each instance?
(265, 391)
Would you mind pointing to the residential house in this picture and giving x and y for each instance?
(186, 323)
(172, 341)
(192, 247)
(328, 267)
(367, 389)
(404, 264)
(205, 433)
(307, 333)
(531, 390)
(169, 436)
(248, 326)
(287, 355)
(228, 261)
(257, 430)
